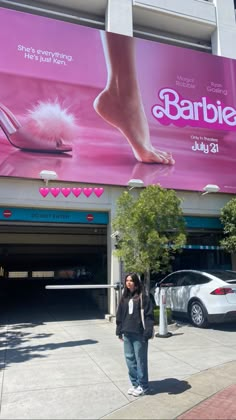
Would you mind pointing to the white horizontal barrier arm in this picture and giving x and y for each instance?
(82, 286)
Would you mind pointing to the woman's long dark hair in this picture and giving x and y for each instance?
(137, 285)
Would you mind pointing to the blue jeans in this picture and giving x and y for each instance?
(136, 356)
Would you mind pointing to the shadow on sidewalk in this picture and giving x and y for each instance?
(171, 386)
(18, 347)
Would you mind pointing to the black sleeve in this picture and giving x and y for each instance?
(119, 320)
(148, 317)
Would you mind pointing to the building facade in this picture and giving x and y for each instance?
(48, 207)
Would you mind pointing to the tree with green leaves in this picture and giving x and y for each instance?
(228, 220)
(151, 229)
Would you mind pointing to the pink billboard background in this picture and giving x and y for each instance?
(104, 108)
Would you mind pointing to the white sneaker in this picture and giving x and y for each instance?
(138, 391)
(131, 390)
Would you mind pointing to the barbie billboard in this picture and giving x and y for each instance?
(102, 108)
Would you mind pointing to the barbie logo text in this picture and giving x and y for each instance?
(202, 113)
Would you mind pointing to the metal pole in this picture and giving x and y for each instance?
(120, 280)
(81, 286)
(163, 330)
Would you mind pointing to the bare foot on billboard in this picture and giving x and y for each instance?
(120, 103)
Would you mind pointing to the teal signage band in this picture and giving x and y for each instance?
(205, 247)
(87, 217)
(196, 222)
(14, 214)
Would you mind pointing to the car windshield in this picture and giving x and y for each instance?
(229, 276)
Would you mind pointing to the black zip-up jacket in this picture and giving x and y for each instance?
(132, 323)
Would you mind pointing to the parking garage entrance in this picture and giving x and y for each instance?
(40, 247)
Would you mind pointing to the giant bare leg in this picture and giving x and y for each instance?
(120, 103)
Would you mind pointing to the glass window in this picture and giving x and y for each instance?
(191, 279)
(173, 279)
(204, 237)
(184, 280)
(223, 275)
(18, 274)
(43, 274)
(198, 278)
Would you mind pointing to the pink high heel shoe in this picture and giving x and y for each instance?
(45, 129)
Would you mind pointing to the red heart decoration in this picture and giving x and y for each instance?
(65, 191)
(44, 191)
(98, 191)
(55, 191)
(87, 191)
(76, 191)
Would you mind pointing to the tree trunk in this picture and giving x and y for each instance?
(147, 282)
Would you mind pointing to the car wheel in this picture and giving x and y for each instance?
(198, 314)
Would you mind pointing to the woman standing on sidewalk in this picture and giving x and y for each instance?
(135, 330)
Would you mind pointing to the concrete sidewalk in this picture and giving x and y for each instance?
(210, 394)
(60, 365)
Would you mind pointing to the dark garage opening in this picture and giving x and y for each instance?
(34, 256)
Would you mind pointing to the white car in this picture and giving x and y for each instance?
(204, 296)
